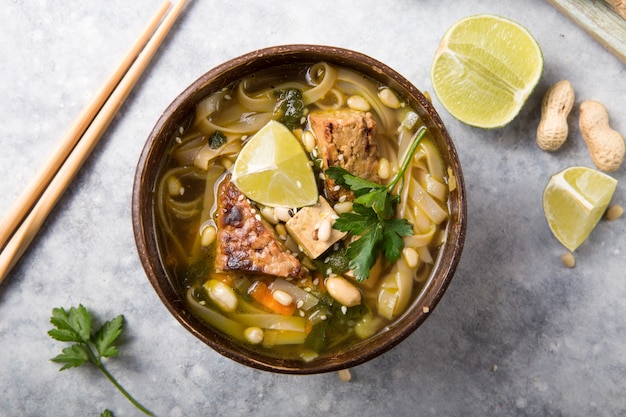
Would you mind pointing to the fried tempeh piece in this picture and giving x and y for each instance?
(245, 242)
(345, 138)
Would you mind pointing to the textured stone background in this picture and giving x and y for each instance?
(516, 333)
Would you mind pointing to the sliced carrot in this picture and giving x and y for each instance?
(320, 282)
(263, 295)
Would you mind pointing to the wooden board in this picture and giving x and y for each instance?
(598, 19)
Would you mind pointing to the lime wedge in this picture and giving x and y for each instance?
(485, 69)
(574, 201)
(274, 170)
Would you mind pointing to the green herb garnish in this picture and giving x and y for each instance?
(289, 109)
(217, 139)
(373, 219)
(75, 326)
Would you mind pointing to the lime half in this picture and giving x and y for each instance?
(574, 201)
(274, 170)
(485, 69)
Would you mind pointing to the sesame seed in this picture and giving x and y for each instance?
(300, 304)
(342, 198)
(299, 183)
(227, 97)
(340, 157)
(257, 216)
(344, 310)
(323, 317)
(336, 187)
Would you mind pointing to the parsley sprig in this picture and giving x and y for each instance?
(373, 217)
(75, 326)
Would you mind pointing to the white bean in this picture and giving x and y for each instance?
(208, 236)
(389, 98)
(222, 295)
(308, 140)
(269, 214)
(282, 297)
(357, 102)
(384, 168)
(343, 291)
(174, 187)
(281, 230)
(282, 213)
(343, 207)
(324, 231)
(254, 335)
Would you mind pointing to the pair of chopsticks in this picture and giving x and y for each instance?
(24, 218)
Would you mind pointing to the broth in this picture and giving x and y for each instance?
(295, 296)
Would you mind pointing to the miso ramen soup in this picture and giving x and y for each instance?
(249, 217)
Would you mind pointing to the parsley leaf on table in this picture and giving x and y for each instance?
(74, 325)
(373, 217)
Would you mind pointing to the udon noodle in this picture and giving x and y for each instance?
(187, 198)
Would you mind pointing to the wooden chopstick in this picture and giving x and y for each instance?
(47, 196)
(44, 174)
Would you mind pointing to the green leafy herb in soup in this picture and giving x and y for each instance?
(315, 278)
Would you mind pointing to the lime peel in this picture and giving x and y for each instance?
(481, 80)
(274, 170)
(574, 201)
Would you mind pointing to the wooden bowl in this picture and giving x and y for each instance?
(152, 158)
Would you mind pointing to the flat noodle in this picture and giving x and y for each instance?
(262, 102)
(249, 124)
(321, 86)
(208, 106)
(207, 155)
(333, 100)
(185, 152)
(432, 185)
(167, 206)
(422, 239)
(432, 209)
(435, 165)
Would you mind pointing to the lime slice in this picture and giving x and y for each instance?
(484, 70)
(273, 169)
(574, 201)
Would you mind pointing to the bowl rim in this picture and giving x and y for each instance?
(226, 73)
